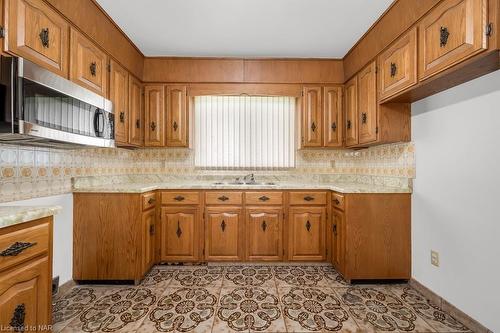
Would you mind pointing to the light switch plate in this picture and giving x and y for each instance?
(435, 258)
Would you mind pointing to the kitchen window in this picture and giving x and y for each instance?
(244, 132)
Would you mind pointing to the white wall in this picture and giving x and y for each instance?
(456, 199)
(63, 232)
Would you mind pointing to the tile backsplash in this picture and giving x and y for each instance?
(28, 172)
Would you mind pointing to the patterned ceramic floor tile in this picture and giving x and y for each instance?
(119, 311)
(380, 310)
(203, 276)
(299, 276)
(158, 277)
(182, 309)
(314, 309)
(245, 309)
(335, 280)
(432, 314)
(241, 276)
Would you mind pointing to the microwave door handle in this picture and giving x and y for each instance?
(98, 115)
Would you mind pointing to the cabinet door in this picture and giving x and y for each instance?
(224, 233)
(264, 234)
(452, 32)
(136, 113)
(367, 104)
(307, 233)
(177, 116)
(312, 117)
(179, 234)
(118, 94)
(351, 112)
(332, 110)
(39, 34)
(338, 240)
(25, 296)
(154, 133)
(88, 63)
(398, 65)
(148, 240)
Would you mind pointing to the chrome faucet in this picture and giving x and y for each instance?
(248, 179)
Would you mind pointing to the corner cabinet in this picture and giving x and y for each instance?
(154, 112)
(38, 33)
(351, 112)
(136, 118)
(177, 126)
(367, 104)
(118, 94)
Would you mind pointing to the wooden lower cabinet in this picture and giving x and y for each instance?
(306, 227)
(224, 234)
(264, 234)
(26, 277)
(180, 234)
(338, 240)
(148, 238)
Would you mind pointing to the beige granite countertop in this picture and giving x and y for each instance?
(12, 215)
(342, 187)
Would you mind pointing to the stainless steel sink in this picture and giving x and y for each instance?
(243, 183)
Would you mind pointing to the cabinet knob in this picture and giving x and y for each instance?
(44, 37)
(175, 126)
(151, 200)
(263, 198)
(152, 230)
(394, 69)
(18, 317)
(443, 36)
(308, 225)
(93, 68)
(334, 228)
(364, 117)
(263, 226)
(223, 198)
(179, 198)
(334, 126)
(122, 117)
(153, 126)
(138, 123)
(336, 201)
(308, 198)
(223, 225)
(349, 124)
(313, 127)
(16, 249)
(179, 230)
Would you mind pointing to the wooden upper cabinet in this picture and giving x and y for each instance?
(312, 117)
(351, 112)
(154, 112)
(136, 118)
(264, 229)
(180, 234)
(88, 64)
(398, 65)
(39, 34)
(118, 94)
(332, 115)
(367, 104)
(307, 233)
(224, 234)
(452, 32)
(177, 116)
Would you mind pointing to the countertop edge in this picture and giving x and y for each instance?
(13, 215)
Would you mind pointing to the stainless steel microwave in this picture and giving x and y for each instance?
(40, 108)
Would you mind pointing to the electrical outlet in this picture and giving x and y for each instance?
(435, 258)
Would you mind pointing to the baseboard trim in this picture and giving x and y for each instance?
(65, 287)
(446, 306)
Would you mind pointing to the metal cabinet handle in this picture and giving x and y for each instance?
(153, 126)
(151, 230)
(138, 123)
(223, 225)
(122, 117)
(364, 117)
(175, 126)
(308, 198)
(308, 225)
(263, 198)
(18, 317)
(44, 37)
(334, 229)
(179, 230)
(179, 198)
(263, 226)
(151, 200)
(394, 69)
(443, 36)
(223, 198)
(93, 68)
(16, 249)
(313, 127)
(334, 126)
(348, 124)
(336, 201)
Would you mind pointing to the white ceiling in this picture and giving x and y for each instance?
(245, 28)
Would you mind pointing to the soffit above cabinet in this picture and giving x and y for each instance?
(245, 28)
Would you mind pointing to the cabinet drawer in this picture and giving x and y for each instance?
(224, 198)
(307, 198)
(264, 198)
(148, 200)
(21, 245)
(398, 65)
(452, 32)
(338, 201)
(180, 198)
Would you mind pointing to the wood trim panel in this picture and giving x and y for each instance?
(251, 89)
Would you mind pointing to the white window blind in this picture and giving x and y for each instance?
(241, 132)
